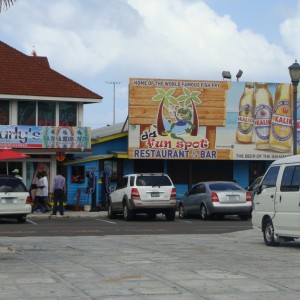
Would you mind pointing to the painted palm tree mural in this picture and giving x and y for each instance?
(177, 116)
(5, 4)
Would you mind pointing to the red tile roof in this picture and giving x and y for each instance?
(25, 75)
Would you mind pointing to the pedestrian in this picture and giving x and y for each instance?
(42, 192)
(58, 190)
(16, 174)
(32, 189)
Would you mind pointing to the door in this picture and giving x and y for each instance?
(264, 200)
(287, 201)
(118, 194)
(190, 202)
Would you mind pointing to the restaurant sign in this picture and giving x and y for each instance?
(192, 119)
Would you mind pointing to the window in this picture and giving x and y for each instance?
(150, 180)
(46, 113)
(26, 113)
(77, 174)
(131, 180)
(224, 186)
(4, 112)
(201, 189)
(111, 166)
(122, 183)
(193, 190)
(270, 178)
(290, 179)
(67, 114)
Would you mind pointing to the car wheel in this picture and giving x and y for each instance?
(181, 212)
(21, 219)
(111, 214)
(203, 212)
(128, 214)
(268, 231)
(170, 215)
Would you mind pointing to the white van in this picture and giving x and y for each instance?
(276, 204)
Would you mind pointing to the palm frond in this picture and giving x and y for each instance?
(5, 4)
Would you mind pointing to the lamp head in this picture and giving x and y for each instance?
(239, 74)
(226, 74)
(294, 70)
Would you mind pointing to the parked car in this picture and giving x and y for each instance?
(149, 193)
(14, 198)
(216, 198)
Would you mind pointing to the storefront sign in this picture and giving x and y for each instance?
(61, 137)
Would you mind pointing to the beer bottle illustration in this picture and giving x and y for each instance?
(282, 125)
(244, 131)
(263, 104)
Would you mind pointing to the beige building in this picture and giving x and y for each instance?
(41, 114)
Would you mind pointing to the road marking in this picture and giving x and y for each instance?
(32, 222)
(184, 221)
(106, 221)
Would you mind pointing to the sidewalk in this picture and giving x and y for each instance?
(69, 214)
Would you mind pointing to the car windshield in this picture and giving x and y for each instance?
(144, 180)
(12, 185)
(224, 186)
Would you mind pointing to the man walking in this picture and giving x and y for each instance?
(58, 190)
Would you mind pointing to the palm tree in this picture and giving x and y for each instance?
(6, 4)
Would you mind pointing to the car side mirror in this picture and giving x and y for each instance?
(258, 190)
(113, 188)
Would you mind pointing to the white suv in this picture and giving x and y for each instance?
(149, 193)
(14, 198)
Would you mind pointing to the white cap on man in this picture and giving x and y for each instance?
(15, 171)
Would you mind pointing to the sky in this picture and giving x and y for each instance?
(98, 42)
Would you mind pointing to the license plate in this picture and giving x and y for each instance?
(233, 198)
(8, 200)
(155, 194)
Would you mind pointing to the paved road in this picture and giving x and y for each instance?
(227, 266)
(99, 224)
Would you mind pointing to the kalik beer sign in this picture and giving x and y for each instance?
(192, 119)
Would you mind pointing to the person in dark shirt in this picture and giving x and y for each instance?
(58, 190)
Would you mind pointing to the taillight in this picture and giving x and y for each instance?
(173, 194)
(214, 197)
(248, 196)
(135, 194)
(28, 200)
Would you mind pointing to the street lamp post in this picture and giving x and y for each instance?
(294, 70)
(114, 109)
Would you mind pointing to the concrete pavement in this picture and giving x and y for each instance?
(215, 267)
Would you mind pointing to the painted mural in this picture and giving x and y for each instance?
(191, 119)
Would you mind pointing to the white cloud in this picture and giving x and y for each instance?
(94, 41)
(290, 31)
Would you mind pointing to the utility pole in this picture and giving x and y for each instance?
(114, 98)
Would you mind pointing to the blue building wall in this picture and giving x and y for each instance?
(240, 171)
(115, 145)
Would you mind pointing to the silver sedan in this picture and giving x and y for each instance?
(216, 198)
